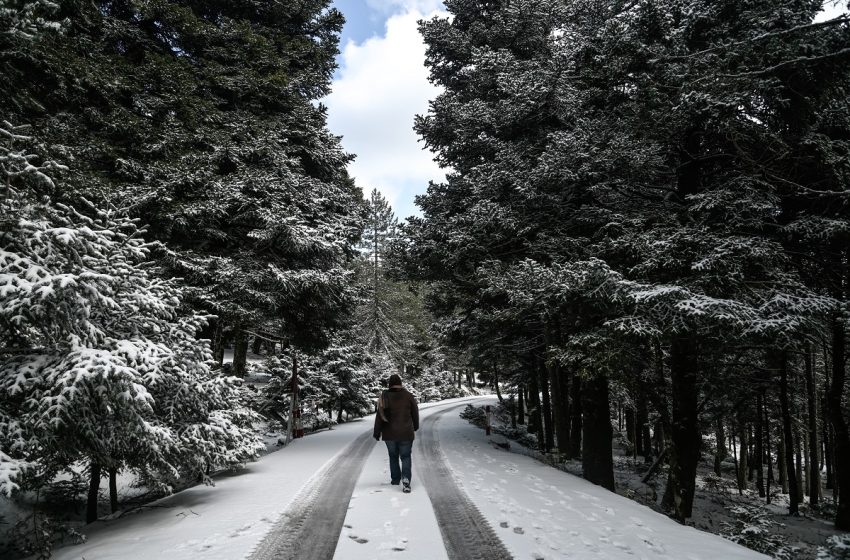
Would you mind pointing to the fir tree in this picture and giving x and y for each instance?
(200, 118)
(96, 362)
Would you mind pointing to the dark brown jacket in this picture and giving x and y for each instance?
(403, 414)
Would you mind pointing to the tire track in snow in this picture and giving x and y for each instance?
(310, 528)
(466, 533)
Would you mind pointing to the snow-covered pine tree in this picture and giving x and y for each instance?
(579, 130)
(378, 232)
(202, 120)
(96, 363)
(514, 195)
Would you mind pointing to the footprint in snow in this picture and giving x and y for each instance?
(656, 548)
(347, 526)
(537, 556)
(622, 546)
(401, 545)
(519, 530)
(238, 532)
(503, 524)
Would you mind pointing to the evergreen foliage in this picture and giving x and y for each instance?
(199, 118)
(635, 193)
(96, 364)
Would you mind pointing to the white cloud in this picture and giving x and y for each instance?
(381, 85)
(406, 6)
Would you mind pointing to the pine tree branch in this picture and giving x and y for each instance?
(773, 34)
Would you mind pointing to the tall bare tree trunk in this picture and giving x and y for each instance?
(548, 431)
(218, 342)
(113, 489)
(814, 464)
(496, 381)
(560, 404)
(780, 361)
(596, 458)
(575, 417)
(685, 433)
(721, 453)
(758, 453)
(535, 416)
(841, 443)
(240, 351)
(520, 405)
(94, 490)
(743, 450)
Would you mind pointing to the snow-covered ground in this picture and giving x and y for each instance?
(537, 511)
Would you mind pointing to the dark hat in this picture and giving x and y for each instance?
(395, 379)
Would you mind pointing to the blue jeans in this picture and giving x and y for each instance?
(399, 450)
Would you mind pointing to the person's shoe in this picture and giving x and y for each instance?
(405, 486)
(394, 482)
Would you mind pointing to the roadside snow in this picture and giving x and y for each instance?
(224, 522)
(539, 512)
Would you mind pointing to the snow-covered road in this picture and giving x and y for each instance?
(536, 511)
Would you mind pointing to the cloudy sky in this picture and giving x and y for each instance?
(379, 87)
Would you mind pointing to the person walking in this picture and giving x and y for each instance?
(396, 421)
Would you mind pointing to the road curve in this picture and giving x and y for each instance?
(466, 533)
(310, 528)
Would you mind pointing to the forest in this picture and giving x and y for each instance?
(645, 224)
(648, 204)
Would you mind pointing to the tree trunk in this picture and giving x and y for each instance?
(758, 453)
(814, 464)
(257, 345)
(596, 458)
(240, 351)
(520, 405)
(496, 381)
(798, 463)
(685, 433)
(780, 361)
(629, 413)
(94, 489)
(548, 431)
(535, 417)
(767, 453)
(783, 468)
(575, 417)
(828, 455)
(113, 489)
(841, 443)
(735, 461)
(218, 342)
(560, 403)
(721, 453)
(644, 436)
(743, 447)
